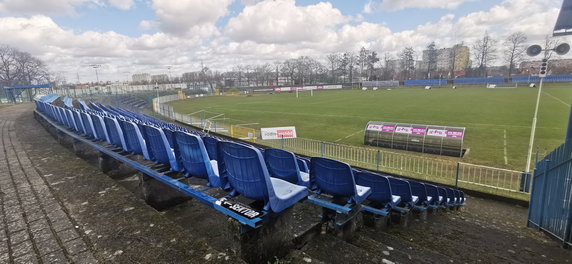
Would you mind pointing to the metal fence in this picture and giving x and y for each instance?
(444, 171)
(550, 207)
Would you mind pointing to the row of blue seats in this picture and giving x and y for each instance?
(276, 177)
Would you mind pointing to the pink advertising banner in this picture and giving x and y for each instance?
(419, 131)
(403, 130)
(387, 128)
(455, 133)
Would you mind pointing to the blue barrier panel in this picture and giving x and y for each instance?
(558, 78)
(525, 79)
(550, 208)
(478, 80)
(536, 79)
(426, 82)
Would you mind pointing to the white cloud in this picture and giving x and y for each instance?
(264, 32)
(282, 21)
(40, 6)
(122, 4)
(190, 16)
(56, 7)
(147, 25)
(393, 5)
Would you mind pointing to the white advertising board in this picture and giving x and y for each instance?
(278, 132)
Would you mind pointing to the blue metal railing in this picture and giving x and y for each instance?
(550, 208)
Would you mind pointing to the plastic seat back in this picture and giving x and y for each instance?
(78, 121)
(99, 127)
(303, 165)
(133, 139)
(457, 194)
(379, 184)
(401, 188)
(114, 132)
(451, 195)
(432, 191)
(282, 164)
(194, 157)
(71, 119)
(88, 125)
(418, 189)
(211, 145)
(332, 177)
(442, 193)
(159, 147)
(246, 174)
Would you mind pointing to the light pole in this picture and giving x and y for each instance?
(95, 67)
(170, 77)
(533, 51)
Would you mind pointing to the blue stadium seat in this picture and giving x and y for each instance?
(434, 199)
(249, 177)
(452, 201)
(195, 159)
(403, 189)
(161, 151)
(336, 178)
(78, 121)
(114, 132)
(443, 193)
(381, 197)
(73, 123)
(282, 164)
(418, 189)
(134, 140)
(88, 125)
(99, 126)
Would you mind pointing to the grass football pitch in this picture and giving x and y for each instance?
(491, 116)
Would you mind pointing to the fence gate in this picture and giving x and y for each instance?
(550, 208)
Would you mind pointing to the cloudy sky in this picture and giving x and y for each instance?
(135, 36)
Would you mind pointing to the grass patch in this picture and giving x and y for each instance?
(339, 116)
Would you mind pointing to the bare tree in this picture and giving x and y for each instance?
(334, 61)
(549, 44)
(514, 50)
(347, 64)
(484, 53)
(431, 58)
(407, 58)
(21, 68)
(372, 59)
(362, 59)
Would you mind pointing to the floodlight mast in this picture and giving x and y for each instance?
(533, 51)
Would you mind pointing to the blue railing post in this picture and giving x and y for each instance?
(323, 149)
(543, 195)
(282, 141)
(569, 131)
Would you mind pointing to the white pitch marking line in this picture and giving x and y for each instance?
(348, 135)
(557, 99)
(505, 158)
